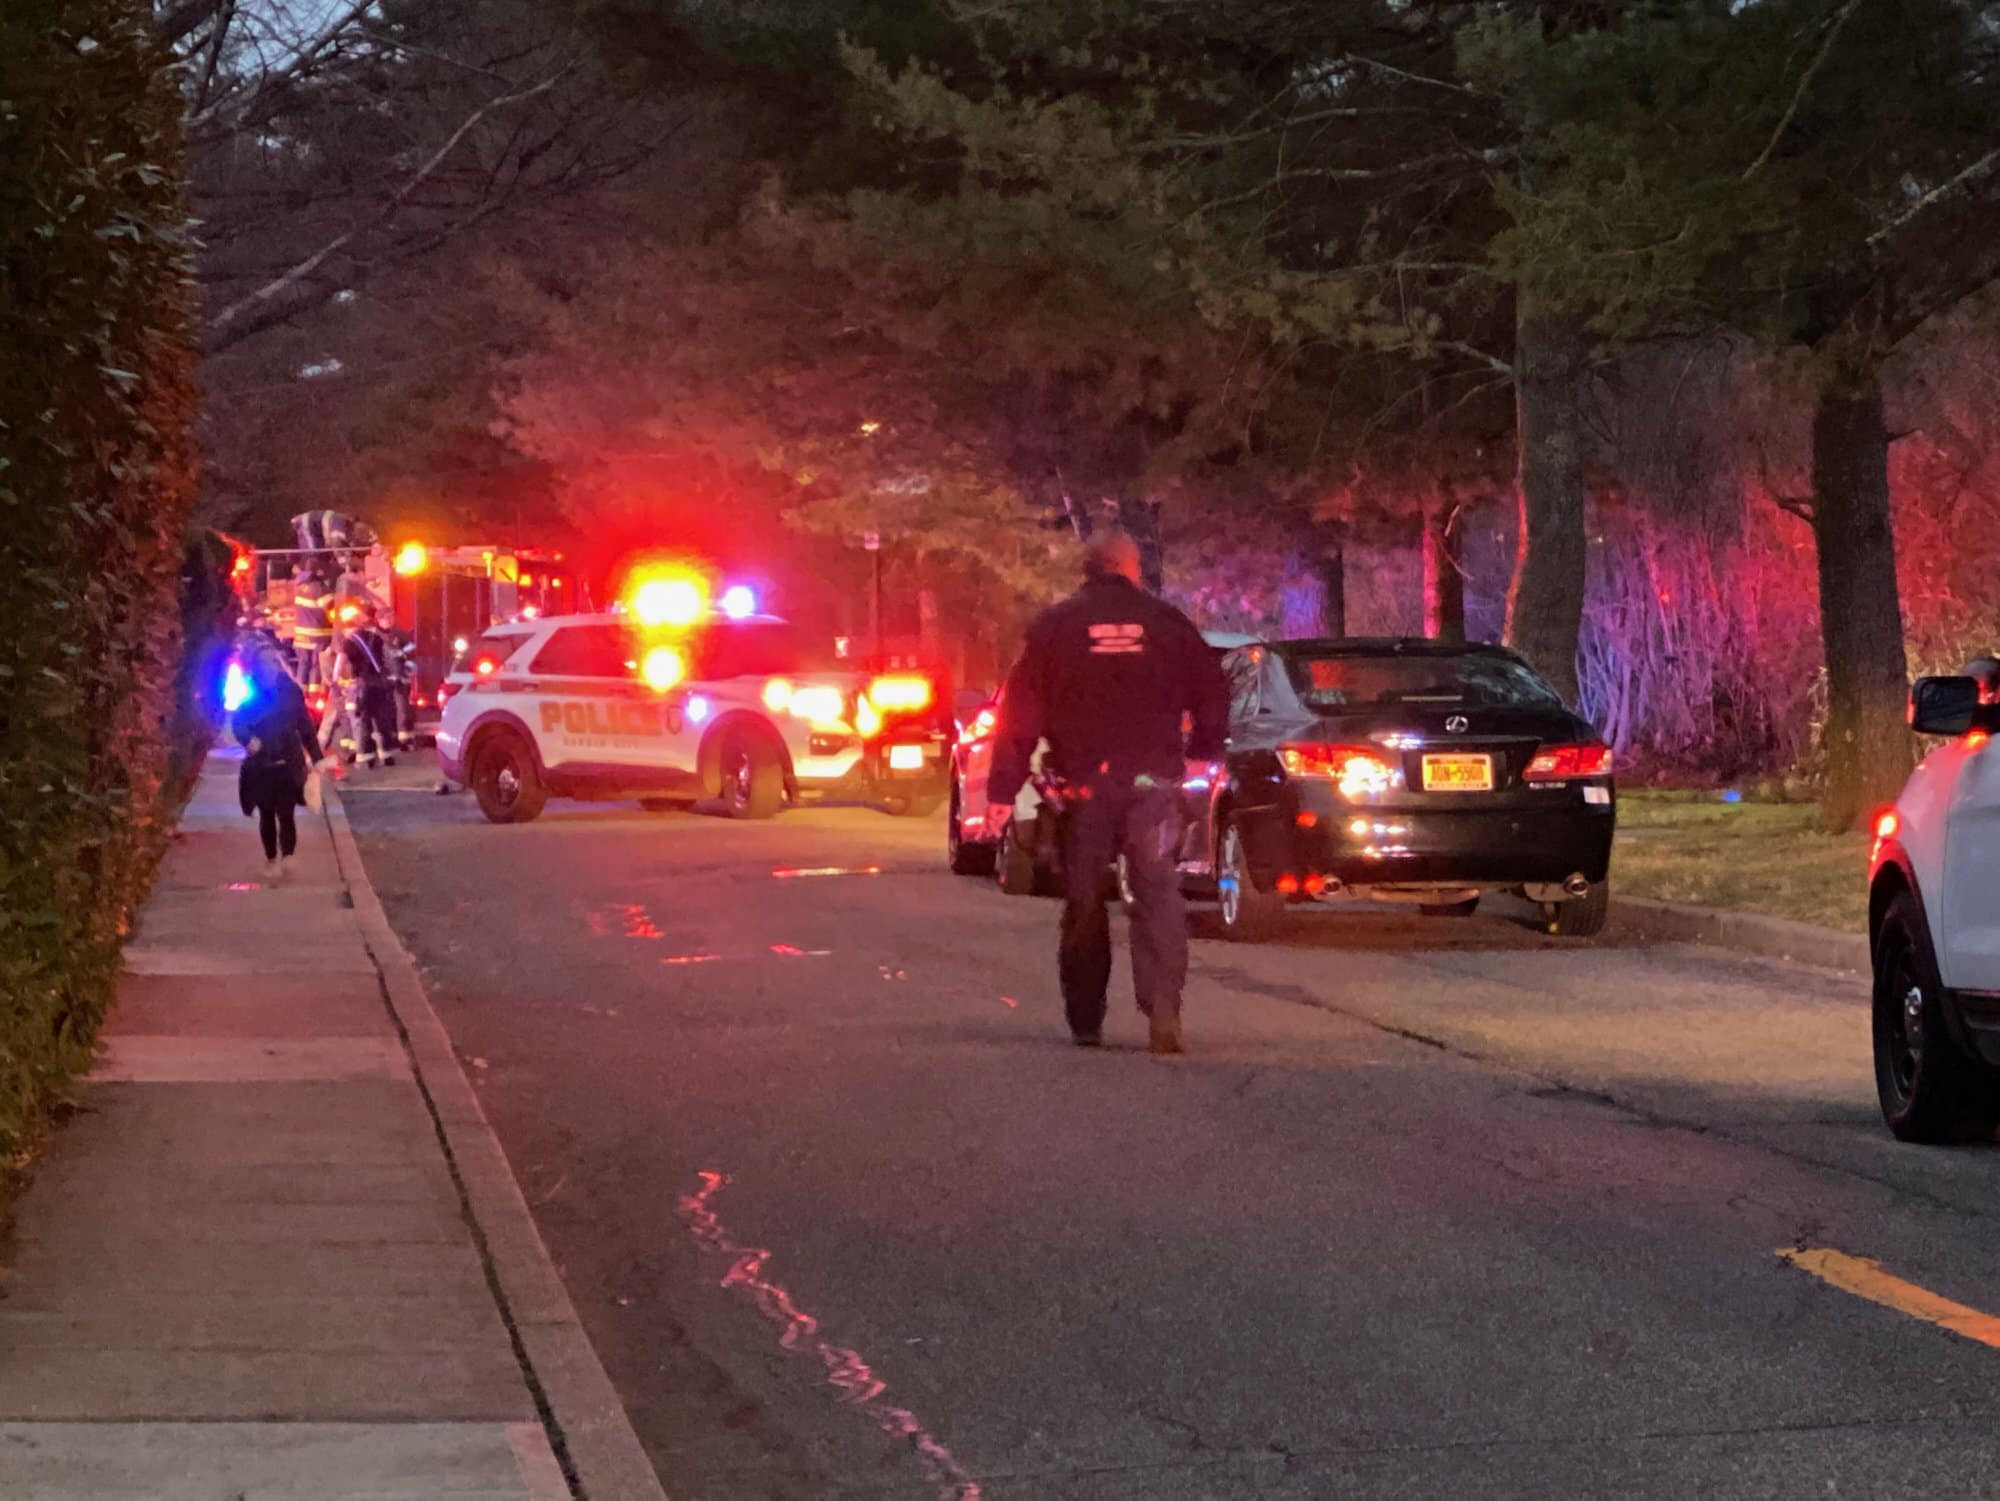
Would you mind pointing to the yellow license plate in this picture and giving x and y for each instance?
(1458, 773)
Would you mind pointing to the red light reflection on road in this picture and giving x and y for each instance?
(243, 886)
(691, 959)
(1009, 1002)
(795, 872)
(792, 951)
(798, 1331)
(638, 922)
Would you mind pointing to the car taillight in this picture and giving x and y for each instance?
(1355, 769)
(981, 726)
(445, 691)
(1563, 763)
(900, 693)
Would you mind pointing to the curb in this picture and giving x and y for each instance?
(588, 1428)
(1745, 933)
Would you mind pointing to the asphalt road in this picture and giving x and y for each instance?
(1436, 1207)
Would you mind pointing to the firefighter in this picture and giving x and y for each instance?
(1107, 678)
(368, 667)
(312, 624)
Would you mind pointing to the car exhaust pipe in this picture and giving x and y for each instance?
(1576, 885)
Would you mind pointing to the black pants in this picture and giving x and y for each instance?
(276, 827)
(377, 719)
(1144, 825)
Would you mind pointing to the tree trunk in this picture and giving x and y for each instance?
(1141, 520)
(1545, 603)
(1333, 567)
(1868, 747)
(1444, 581)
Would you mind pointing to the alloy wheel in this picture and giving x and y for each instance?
(1229, 882)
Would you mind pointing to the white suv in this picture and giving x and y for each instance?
(600, 707)
(1934, 924)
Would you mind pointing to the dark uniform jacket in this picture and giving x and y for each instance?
(287, 744)
(367, 656)
(1106, 678)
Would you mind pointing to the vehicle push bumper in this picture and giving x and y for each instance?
(1361, 846)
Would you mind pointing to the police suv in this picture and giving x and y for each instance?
(1934, 921)
(726, 707)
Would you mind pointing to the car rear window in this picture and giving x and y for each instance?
(750, 648)
(588, 651)
(499, 645)
(1337, 681)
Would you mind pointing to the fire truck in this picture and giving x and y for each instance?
(440, 597)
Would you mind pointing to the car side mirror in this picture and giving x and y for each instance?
(1944, 705)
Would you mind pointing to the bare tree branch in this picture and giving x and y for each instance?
(1805, 82)
(223, 328)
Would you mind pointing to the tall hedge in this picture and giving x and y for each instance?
(96, 482)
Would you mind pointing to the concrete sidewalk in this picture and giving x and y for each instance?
(246, 1267)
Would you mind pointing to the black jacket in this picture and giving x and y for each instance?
(287, 744)
(1106, 678)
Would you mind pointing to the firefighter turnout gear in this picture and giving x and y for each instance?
(312, 624)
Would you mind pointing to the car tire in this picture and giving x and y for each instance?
(1248, 915)
(753, 778)
(1449, 909)
(1580, 916)
(964, 857)
(923, 805)
(505, 779)
(1929, 1090)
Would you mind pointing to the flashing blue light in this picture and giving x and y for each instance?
(237, 688)
(697, 709)
(738, 601)
(1732, 796)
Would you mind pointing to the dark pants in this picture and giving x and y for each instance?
(1143, 825)
(307, 656)
(276, 827)
(378, 719)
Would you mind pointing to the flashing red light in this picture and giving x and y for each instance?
(485, 667)
(900, 693)
(1563, 763)
(1355, 769)
(1315, 884)
(1887, 824)
(1977, 740)
(242, 565)
(1288, 884)
(1307, 819)
(444, 693)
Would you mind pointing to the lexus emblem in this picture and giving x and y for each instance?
(1458, 724)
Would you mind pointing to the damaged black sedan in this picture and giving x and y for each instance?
(1403, 771)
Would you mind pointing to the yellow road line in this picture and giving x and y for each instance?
(1865, 1279)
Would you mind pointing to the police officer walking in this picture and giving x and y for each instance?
(1107, 678)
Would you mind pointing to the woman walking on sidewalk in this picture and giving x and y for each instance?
(280, 750)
